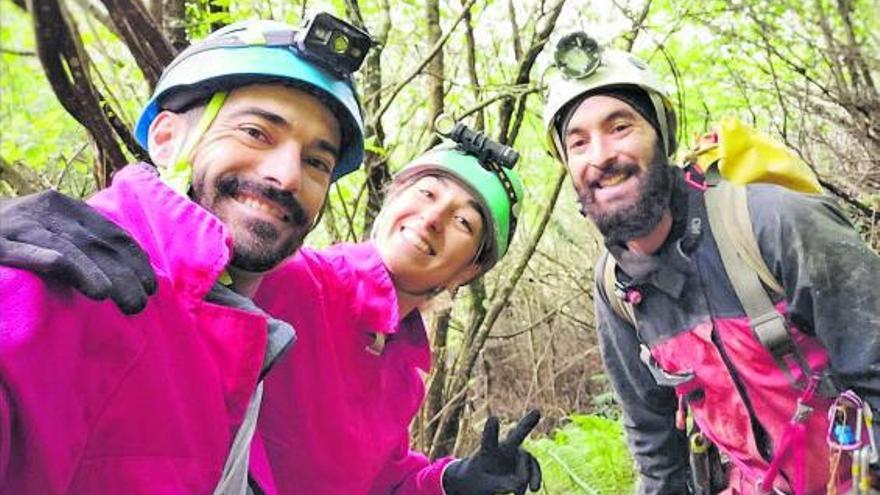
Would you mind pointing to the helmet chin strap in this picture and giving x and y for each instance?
(178, 175)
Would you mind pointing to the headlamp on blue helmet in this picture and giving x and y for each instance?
(333, 43)
(254, 52)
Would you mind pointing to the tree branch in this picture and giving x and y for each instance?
(418, 69)
(545, 24)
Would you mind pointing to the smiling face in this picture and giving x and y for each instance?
(617, 168)
(428, 234)
(263, 167)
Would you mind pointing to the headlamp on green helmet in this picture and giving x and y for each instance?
(484, 168)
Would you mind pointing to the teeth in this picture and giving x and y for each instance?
(613, 180)
(256, 204)
(416, 240)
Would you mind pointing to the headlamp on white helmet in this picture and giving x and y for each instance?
(586, 69)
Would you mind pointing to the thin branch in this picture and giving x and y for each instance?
(418, 69)
(22, 178)
(20, 53)
(543, 319)
(849, 199)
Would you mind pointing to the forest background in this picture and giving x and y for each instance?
(74, 74)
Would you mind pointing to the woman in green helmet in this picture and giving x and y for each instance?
(338, 406)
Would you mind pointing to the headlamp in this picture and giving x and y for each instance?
(324, 40)
(577, 55)
(333, 43)
(476, 143)
(492, 155)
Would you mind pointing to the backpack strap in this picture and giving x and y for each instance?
(727, 209)
(739, 227)
(608, 268)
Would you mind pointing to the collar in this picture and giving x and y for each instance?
(184, 241)
(281, 334)
(375, 306)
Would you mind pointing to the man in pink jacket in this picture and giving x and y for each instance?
(249, 127)
(160, 399)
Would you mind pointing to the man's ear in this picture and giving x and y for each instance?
(166, 137)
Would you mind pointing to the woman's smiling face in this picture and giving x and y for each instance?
(428, 234)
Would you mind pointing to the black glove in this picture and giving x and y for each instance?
(496, 468)
(65, 240)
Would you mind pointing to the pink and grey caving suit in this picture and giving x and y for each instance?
(702, 347)
(335, 415)
(95, 402)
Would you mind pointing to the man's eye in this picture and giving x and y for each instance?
(575, 144)
(426, 193)
(320, 164)
(254, 133)
(620, 127)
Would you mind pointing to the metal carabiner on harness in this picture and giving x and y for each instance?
(850, 420)
(850, 423)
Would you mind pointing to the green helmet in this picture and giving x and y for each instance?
(244, 53)
(614, 68)
(499, 210)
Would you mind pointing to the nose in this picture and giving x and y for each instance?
(434, 217)
(597, 157)
(600, 154)
(283, 167)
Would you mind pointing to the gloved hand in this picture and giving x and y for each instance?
(65, 240)
(496, 468)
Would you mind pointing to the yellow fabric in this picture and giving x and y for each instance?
(743, 156)
(225, 278)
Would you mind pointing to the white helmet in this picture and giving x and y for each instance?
(605, 68)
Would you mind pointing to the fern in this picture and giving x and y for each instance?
(587, 456)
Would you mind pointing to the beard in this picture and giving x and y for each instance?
(640, 217)
(257, 245)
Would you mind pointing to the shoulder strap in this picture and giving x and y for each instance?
(731, 225)
(739, 228)
(608, 268)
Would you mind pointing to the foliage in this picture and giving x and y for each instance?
(586, 456)
(35, 128)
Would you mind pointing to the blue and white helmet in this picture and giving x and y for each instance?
(238, 55)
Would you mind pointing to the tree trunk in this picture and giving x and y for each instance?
(376, 161)
(174, 23)
(435, 72)
(67, 67)
(143, 37)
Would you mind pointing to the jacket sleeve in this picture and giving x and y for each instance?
(5, 432)
(354, 277)
(410, 473)
(659, 448)
(831, 280)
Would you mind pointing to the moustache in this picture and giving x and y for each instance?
(585, 197)
(293, 211)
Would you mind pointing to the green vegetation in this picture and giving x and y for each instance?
(586, 456)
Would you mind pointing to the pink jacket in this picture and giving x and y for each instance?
(94, 402)
(335, 417)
